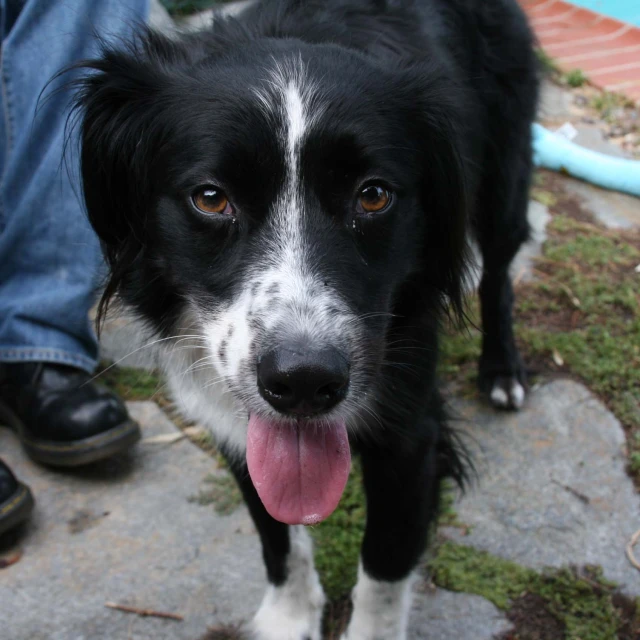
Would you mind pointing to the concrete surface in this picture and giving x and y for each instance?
(592, 137)
(556, 103)
(125, 531)
(552, 491)
(522, 266)
(125, 340)
(442, 615)
(159, 17)
(614, 210)
(552, 486)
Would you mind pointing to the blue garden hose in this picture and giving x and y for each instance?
(556, 153)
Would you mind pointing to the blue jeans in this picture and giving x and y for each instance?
(50, 261)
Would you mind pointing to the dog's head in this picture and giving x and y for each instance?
(294, 200)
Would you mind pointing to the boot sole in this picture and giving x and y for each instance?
(74, 453)
(16, 509)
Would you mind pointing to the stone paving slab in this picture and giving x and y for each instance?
(153, 549)
(443, 615)
(614, 210)
(552, 486)
(125, 531)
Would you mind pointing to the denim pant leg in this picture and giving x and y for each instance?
(50, 261)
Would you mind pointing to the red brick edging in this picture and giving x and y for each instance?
(605, 49)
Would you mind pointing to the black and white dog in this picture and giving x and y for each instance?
(290, 194)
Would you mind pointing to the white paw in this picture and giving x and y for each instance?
(507, 393)
(380, 609)
(284, 615)
(293, 610)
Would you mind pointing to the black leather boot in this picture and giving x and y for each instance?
(16, 501)
(61, 416)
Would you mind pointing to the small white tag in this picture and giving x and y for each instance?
(567, 131)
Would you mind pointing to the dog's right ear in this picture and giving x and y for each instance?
(118, 101)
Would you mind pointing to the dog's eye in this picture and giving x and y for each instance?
(210, 200)
(373, 199)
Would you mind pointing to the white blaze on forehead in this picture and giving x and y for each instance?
(290, 100)
(296, 124)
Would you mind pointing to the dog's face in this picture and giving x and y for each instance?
(287, 199)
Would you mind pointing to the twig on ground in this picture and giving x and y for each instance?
(573, 492)
(144, 612)
(575, 301)
(634, 540)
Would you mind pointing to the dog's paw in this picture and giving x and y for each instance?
(507, 392)
(380, 609)
(287, 615)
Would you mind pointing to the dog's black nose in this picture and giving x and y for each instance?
(299, 380)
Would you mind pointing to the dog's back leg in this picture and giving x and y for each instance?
(402, 488)
(292, 606)
(501, 228)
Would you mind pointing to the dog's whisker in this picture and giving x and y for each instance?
(117, 362)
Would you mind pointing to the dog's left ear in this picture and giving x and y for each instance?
(118, 102)
(447, 176)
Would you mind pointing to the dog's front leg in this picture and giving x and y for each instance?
(402, 492)
(292, 606)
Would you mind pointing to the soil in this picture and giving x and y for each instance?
(532, 620)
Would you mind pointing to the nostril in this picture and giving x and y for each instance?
(278, 389)
(332, 389)
(299, 380)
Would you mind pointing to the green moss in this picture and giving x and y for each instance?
(607, 103)
(458, 349)
(580, 600)
(547, 198)
(130, 383)
(221, 491)
(585, 307)
(460, 568)
(447, 515)
(587, 246)
(575, 78)
(547, 63)
(338, 539)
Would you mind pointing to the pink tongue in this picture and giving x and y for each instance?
(299, 472)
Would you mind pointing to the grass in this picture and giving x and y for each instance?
(585, 308)
(221, 491)
(583, 311)
(575, 78)
(607, 104)
(577, 603)
(338, 539)
(130, 383)
(547, 63)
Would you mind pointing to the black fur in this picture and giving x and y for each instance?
(435, 98)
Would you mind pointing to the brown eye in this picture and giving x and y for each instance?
(373, 198)
(211, 200)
